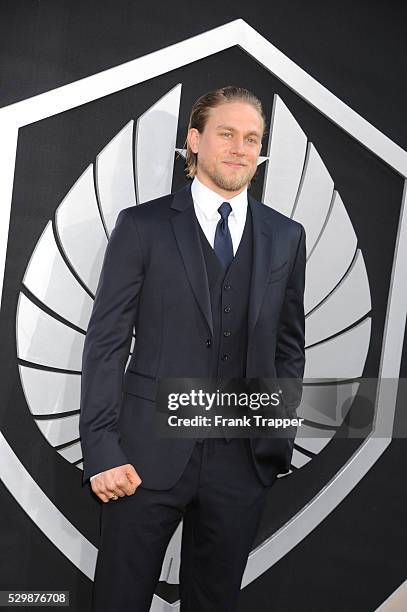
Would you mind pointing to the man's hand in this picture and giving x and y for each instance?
(120, 481)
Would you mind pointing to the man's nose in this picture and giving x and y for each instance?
(238, 146)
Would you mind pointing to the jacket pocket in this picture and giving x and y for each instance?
(278, 272)
(140, 385)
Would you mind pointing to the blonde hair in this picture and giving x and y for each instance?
(200, 112)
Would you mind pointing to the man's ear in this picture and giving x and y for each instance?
(193, 139)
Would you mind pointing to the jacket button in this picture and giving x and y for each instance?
(209, 343)
(225, 357)
(227, 309)
(227, 287)
(227, 334)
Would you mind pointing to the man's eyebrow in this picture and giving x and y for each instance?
(232, 129)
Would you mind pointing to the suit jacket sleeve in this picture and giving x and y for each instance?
(107, 347)
(290, 349)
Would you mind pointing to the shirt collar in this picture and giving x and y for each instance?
(208, 201)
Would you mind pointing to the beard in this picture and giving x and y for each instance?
(229, 182)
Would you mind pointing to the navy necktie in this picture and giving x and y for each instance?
(223, 240)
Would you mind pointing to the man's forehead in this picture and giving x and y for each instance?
(234, 113)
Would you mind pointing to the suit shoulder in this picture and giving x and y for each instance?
(151, 210)
(277, 218)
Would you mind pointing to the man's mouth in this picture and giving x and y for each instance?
(234, 164)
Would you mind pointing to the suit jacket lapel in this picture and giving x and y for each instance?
(185, 228)
(262, 246)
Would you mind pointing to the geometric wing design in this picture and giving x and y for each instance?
(115, 176)
(314, 197)
(81, 231)
(44, 340)
(60, 431)
(155, 140)
(62, 275)
(50, 392)
(341, 357)
(347, 303)
(331, 257)
(337, 294)
(287, 147)
(50, 280)
(136, 166)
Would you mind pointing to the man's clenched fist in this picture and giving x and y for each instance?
(122, 480)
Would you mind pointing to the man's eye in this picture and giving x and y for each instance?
(227, 134)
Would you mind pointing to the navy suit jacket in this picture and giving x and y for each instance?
(154, 278)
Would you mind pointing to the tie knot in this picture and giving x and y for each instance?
(224, 210)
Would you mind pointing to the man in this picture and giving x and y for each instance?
(213, 283)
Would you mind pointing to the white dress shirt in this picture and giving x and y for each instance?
(206, 204)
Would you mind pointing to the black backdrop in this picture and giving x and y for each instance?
(356, 557)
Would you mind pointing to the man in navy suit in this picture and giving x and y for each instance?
(212, 281)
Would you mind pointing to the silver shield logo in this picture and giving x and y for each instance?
(64, 269)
